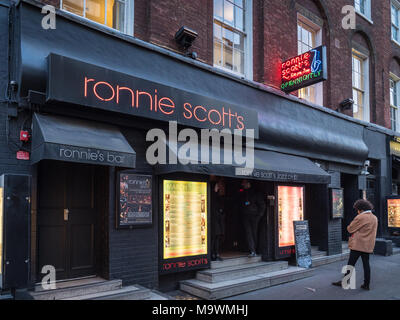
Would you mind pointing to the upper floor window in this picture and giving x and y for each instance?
(394, 102)
(395, 21)
(116, 14)
(232, 36)
(360, 77)
(309, 37)
(363, 7)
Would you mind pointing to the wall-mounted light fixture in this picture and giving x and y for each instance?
(347, 104)
(185, 37)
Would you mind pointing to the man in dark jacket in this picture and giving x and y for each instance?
(217, 218)
(253, 208)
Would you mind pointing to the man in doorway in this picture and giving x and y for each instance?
(253, 208)
(217, 218)
(362, 240)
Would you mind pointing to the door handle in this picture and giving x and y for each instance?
(66, 214)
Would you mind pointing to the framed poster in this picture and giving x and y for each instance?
(393, 211)
(337, 204)
(290, 208)
(185, 225)
(134, 200)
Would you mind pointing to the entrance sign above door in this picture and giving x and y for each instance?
(76, 140)
(304, 70)
(80, 83)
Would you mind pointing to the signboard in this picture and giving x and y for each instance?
(337, 203)
(393, 211)
(84, 84)
(395, 146)
(184, 225)
(303, 244)
(304, 70)
(135, 200)
(290, 208)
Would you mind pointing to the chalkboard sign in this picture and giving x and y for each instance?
(337, 203)
(135, 197)
(303, 244)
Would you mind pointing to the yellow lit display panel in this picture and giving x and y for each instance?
(185, 218)
(393, 213)
(290, 208)
(1, 230)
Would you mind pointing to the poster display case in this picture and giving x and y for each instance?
(289, 208)
(134, 200)
(393, 211)
(337, 203)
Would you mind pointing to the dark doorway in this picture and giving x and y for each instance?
(68, 217)
(351, 194)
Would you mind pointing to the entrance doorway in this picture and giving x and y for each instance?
(68, 214)
(234, 242)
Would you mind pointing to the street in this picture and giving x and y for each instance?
(385, 284)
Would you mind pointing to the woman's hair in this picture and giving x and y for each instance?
(363, 205)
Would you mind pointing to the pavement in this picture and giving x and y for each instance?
(385, 284)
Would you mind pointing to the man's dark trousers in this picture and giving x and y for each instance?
(354, 255)
(251, 227)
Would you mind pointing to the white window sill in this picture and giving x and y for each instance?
(237, 74)
(93, 23)
(364, 17)
(396, 42)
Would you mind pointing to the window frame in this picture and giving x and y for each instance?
(367, 14)
(128, 23)
(248, 40)
(319, 88)
(396, 106)
(396, 4)
(366, 91)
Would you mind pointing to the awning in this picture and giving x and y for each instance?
(268, 166)
(77, 140)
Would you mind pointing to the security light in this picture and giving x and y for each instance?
(185, 37)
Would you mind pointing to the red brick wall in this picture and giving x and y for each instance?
(275, 39)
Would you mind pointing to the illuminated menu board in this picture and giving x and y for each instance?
(1, 233)
(185, 219)
(393, 206)
(290, 208)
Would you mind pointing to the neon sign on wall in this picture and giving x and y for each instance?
(304, 70)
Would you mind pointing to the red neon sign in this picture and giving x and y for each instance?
(304, 70)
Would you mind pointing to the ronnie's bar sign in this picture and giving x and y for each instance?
(84, 84)
(304, 70)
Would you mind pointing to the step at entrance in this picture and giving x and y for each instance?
(240, 271)
(240, 275)
(91, 289)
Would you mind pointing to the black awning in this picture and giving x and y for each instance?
(77, 140)
(268, 166)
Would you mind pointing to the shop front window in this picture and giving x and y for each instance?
(231, 42)
(116, 14)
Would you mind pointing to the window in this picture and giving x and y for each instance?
(232, 36)
(309, 37)
(360, 86)
(116, 14)
(395, 21)
(363, 7)
(394, 102)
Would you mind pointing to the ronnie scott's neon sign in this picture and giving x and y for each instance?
(304, 70)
